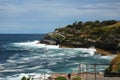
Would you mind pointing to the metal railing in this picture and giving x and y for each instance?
(94, 71)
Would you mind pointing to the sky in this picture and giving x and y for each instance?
(43, 16)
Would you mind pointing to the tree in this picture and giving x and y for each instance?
(69, 26)
(75, 24)
(108, 22)
(80, 25)
(96, 23)
(88, 24)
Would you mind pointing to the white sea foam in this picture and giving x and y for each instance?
(91, 51)
(52, 63)
(48, 53)
(110, 57)
(14, 56)
(51, 53)
(34, 76)
(32, 68)
(11, 61)
(16, 77)
(26, 58)
(42, 55)
(16, 61)
(1, 67)
(20, 68)
(12, 70)
(35, 44)
(31, 45)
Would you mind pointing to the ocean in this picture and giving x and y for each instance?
(21, 54)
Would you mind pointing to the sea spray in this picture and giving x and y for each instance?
(34, 76)
(29, 56)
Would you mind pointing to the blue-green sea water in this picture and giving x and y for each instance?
(21, 53)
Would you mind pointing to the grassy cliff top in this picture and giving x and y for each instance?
(88, 29)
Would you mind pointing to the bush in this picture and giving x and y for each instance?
(77, 78)
(24, 78)
(114, 67)
(28, 78)
(115, 64)
(60, 78)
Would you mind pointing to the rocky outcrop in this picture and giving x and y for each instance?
(104, 37)
(53, 38)
(51, 42)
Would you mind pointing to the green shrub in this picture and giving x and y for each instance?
(116, 64)
(24, 78)
(77, 78)
(28, 78)
(114, 67)
(60, 78)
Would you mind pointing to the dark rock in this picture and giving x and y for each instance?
(51, 42)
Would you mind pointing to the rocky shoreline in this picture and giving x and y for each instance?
(106, 39)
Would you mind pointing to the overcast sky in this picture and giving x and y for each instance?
(43, 16)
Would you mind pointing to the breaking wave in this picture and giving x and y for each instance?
(35, 44)
(31, 57)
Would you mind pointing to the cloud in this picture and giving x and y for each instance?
(31, 14)
(103, 6)
(112, 0)
(52, 7)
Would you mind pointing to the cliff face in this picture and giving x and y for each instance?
(104, 36)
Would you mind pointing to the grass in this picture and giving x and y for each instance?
(60, 78)
(76, 78)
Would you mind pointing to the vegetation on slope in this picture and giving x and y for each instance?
(115, 64)
(114, 68)
(104, 35)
